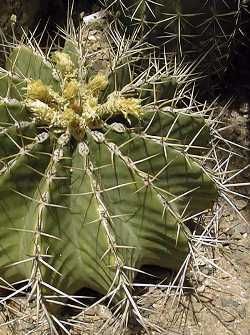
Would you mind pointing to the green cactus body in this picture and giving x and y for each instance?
(201, 31)
(85, 201)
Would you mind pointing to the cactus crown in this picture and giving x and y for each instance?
(77, 105)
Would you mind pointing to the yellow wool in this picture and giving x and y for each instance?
(63, 62)
(92, 102)
(69, 117)
(97, 84)
(77, 105)
(71, 89)
(36, 90)
(116, 104)
(41, 110)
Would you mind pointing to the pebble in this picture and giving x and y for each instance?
(237, 236)
(92, 38)
(242, 228)
(201, 289)
(242, 311)
(241, 204)
(246, 286)
(234, 246)
(208, 269)
(197, 307)
(229, 302)
(243, 259)
(229, 317)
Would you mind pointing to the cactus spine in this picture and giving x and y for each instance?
(203, 31)
(88, 200)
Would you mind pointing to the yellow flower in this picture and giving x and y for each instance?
(117, 104)
(37, 90)
(41, 110)
(74, 122)
(92, 102)
(97, 84)
(69, 117)
(63, 62)
(71, 89)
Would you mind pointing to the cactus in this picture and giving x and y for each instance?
(201, 31)
(94, 182)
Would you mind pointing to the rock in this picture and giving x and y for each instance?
(197, 307)
(241, 310)
(246, 286)
(201, 289)
(243, 228)
(229, 302)
(237, 236)
(241, 204)
(245, 331)
(207, 269)
(229, 315)
(243, 259)
(233, 246)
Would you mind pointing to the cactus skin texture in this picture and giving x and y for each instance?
(198, 30)
(85, 201)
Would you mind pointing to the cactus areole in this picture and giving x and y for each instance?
(85, 200)
(203, 32)
(76, 107)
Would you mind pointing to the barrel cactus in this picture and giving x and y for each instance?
(95, 182)
(201, 31)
